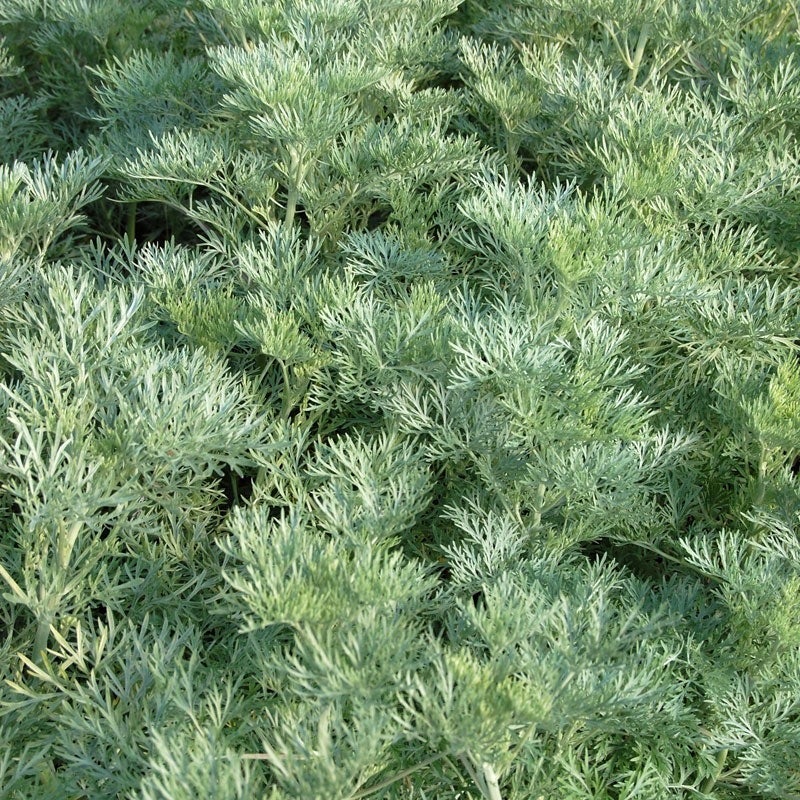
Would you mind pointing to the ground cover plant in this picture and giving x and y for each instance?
(400, 399)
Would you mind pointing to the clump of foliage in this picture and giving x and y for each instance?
(400, 399)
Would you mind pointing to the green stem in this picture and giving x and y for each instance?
(257, 218)
(42, 637)
(293, 390)
(659, 552)
(512, 151)
(537, 514)
(485, 778)
(491, 782)
(291, 206)
(47, 773)
(623, 51)
(711, 780)
(376, 787)
(66, 543)
(761, 486)
(287, 394)
(637, 56)
(296, 175)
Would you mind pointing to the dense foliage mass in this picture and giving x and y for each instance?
(400, 399)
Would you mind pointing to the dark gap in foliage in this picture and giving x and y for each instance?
(378, 218)
(479, 600)
(529, 167)
(105, 217)
(156, 223)
(15, 508)
(444, 80)
(97, 611)
(424, 540)
(108, 527)
(596, 550)
(214, 635)
(639, 561)
(13, 374)
(237, 489)
(443, 570)
(301, 218)
(276, 512)
(360, 416)
(700, 228)
(58, 764)
(20, 623)
(684, 524)
(438, 234)
(239, 353)
(294, 413)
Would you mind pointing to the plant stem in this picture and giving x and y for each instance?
(637, 56)
(296, 173)
(492, 782)
(366, 792)
(42, 636)
(512, 151)
(708, 784)
(47, 773)
(66, 543)
(286, 404)
(537, 514)
(761, 486)
(484, 778)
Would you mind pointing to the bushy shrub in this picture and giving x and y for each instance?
(400, 399)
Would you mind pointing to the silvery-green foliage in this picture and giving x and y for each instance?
(8, 64)
(147, 95)
(42, 201)
(22, 128)
(53, 44)
(399, 400)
